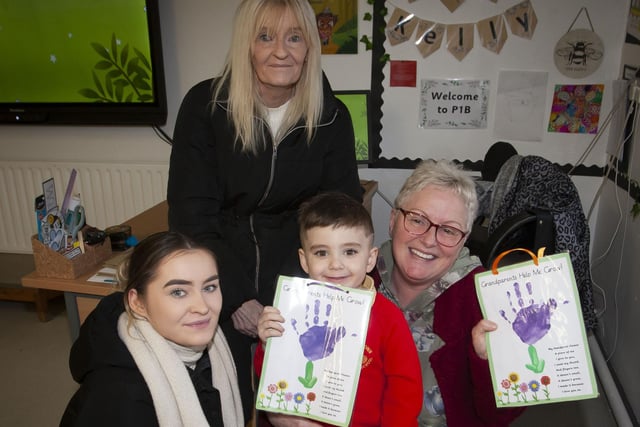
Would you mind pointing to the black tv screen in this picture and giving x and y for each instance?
(81, 62)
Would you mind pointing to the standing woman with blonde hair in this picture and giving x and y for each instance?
(249, 147)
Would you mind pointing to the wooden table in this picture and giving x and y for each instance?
(81, 296)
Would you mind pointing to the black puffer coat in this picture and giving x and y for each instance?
(112, 390)
(243, 206)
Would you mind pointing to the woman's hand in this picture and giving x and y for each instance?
(245, 319)
(270, 324)
(478, 336)
(283, 420)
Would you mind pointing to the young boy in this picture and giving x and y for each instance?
(336, 233)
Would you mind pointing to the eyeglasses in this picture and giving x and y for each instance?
(418, 224)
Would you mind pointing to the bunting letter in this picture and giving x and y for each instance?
(522, 19)
(400, 26)
(493, 33)
(429, 37)
(460, 39)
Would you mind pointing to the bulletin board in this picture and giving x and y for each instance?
(403, 141)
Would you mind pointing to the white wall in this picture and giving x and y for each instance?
(616, 270)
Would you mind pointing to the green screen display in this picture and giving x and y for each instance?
(357, 102)
(75, 51)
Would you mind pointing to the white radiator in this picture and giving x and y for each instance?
(110, 193)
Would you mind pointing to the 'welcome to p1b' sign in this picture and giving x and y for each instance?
(453, 104)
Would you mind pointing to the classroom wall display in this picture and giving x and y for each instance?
(452, 5)
(521, 20)
(357, 102)
(454, 104)
(520, 105)
(579, 52)
(576, 108)
(337, 22)
(403, 141)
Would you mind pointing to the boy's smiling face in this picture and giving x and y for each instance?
(340, 255)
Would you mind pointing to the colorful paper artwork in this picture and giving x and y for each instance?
(576, 108)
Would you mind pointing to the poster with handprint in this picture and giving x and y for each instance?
(312, 370)
(539, 353)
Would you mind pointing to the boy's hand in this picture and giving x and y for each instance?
(270, 324)
(478, 337)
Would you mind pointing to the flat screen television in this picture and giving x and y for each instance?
(81, 62)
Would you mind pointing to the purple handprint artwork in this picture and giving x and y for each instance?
(318, 341)
(532, 321)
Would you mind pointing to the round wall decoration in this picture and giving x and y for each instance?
(578, 53)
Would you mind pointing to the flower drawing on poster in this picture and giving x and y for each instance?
(576, 108)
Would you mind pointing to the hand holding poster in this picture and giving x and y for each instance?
(312, 370)
(539, 353)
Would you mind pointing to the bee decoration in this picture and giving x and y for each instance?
(578, 53)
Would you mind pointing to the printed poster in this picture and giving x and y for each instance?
(313, 369)
(453, 104)
(337, 22)
(539, 353)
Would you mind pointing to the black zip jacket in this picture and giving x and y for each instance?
(244, 206)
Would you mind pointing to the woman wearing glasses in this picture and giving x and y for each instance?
(426, 270)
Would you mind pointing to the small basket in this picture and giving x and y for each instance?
(50, 263)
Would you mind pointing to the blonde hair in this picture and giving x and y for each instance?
(244, 103)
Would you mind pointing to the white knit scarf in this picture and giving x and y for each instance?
(174, 397)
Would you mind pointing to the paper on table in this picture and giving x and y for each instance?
(104, 275)
(115, 260)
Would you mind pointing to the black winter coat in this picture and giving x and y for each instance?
(244, 206)
(112, 390)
